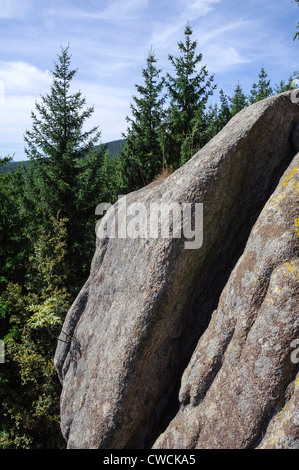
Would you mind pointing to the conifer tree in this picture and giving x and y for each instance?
(216, 117)
(286, 85)
(262, 89)
(188, 91)
(57, 146)
(57, 139)
(225, 112)
(238, 101)
(211, 119)
(143, 148)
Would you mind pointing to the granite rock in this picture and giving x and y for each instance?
(240, 389)
(143, 318)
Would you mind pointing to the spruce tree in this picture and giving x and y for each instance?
(143, 155)
(238, 101)
(286, 85)
(211, 119)
(188, 91)
(262, 89)
(58, 146)
(225, 112)
(216, 117)
(57, 140)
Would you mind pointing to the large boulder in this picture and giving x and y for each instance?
(147, 302)
(241, 387)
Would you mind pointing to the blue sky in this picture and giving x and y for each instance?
(109, 42)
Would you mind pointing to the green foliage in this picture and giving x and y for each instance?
(225, 113)
(57, 133)
(5, 160)
(142, 153)
(29, 387)
(47, 241)
(67, 171)
(262, 89)
(188, 92)
(238, 101)
(286, 85)
(113, 148)
(13, 241)
(216, 117)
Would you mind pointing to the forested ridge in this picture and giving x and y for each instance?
(47, 224)
(113, 147)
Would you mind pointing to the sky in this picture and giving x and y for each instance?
(110, 40)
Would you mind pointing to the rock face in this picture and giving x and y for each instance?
(241, 376)
(191, 348)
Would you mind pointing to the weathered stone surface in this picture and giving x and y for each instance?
(241, 382)
(138, 319)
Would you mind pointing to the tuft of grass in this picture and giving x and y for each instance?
(166, 171)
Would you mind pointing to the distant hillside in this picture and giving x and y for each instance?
(113, 148)
(12, 166)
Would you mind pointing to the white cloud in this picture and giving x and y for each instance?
(221, 59)
(166, 34)
(21, 78)
(197, 8)
(116, 10)
(15, 118)
(13, 8)
(111, 106)
(122, 10)
(210, 34)
(21, 85)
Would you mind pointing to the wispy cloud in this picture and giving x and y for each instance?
(209, 35)
(14, 8)
(165, 33)
(14, 119)
(20, 78)
(109, 41)
(21, 84)
(196, 8)
(220, 42)
(120, 10)
(221, 59)
(115, 11)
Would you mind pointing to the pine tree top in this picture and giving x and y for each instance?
(57, 128)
